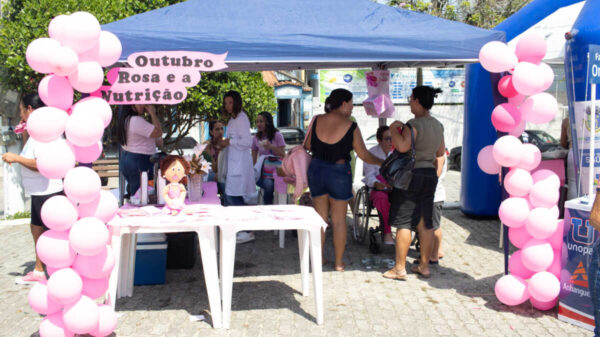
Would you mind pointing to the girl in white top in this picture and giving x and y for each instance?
(39, 187)
(239, 181)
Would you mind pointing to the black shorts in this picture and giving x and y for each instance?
(437, 214)
(36, 208)
(407, 207)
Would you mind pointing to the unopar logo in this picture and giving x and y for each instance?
(579, 276)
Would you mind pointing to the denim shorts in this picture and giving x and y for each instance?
(326, 178)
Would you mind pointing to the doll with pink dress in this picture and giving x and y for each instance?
(174, 169)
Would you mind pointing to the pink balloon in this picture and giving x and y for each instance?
(556, 239)
(54, 250)
(59, 213)
(507, 151)
(513, 212)
(540, 108)
(530, 158)
(537, 255)
(88, 236)
(506, 117)
(46, 124)
(50, 270)
(57, 26)
(39, 52)
(528, 79)
(531, 47)
(556, 265)
(518, 236)
(541, 223)
(544, 286)
(94, 288)
(82, 184)
(64, 286)
(109, 49)
(511, 290)
(516, 267)
(97, 266)
(55, 160)
(94, 105)
(88, 77)
(546, 176)
(64, 61)
(544, 194)
(506, 88)
(519, 129)
(555, 211)
(486, 161)
(517, 101)
(107, 322)
(84, 129)
(548, 75)
(54, 326)
(518, 182)
(82, 31)
(82, 316)
(87, 154)
(104, 207)
(56, 91)
(497, 57)
(39, 300)
(543, 306)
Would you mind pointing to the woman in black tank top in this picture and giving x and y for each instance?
(329, 174)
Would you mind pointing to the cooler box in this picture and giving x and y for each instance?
(151, 259)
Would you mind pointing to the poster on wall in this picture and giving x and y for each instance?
(402, 80)
(352, 80)
(581, 145)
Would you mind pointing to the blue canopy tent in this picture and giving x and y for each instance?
(303, 34)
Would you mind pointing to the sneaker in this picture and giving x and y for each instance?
(243, 237)
(31, 278)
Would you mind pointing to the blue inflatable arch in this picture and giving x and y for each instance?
(480, 193)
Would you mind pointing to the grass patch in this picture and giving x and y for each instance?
(18, 215)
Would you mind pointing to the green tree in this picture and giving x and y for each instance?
(480, 13)
(23, 21)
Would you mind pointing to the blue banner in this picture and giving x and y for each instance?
(594, 64)
(575, 302)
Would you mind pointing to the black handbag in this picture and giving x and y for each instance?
(397, 168)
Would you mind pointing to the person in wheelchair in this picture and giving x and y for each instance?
(379, 189)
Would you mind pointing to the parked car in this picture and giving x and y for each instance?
(292, 136)
(539, 138)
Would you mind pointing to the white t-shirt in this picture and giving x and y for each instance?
(138, 136)
(33, 182)
(440, 191)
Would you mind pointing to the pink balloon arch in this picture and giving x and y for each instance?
(530, 212)
(75, 248)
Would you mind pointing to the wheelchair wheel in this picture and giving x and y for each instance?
(361, 215)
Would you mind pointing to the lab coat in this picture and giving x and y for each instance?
(240, 171)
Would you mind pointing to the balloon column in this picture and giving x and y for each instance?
(531, 211)
(75, 248)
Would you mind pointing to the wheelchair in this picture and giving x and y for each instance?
(361, 213)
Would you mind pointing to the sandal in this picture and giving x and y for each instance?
(339, 268)
(417, 270)
(394, 275)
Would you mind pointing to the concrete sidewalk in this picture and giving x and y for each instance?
(458, 300)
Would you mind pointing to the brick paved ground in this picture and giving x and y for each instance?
(458, 300)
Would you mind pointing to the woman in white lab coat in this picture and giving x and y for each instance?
(239, 181)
